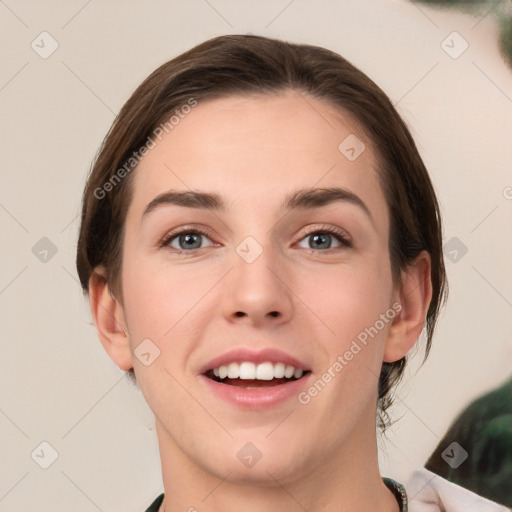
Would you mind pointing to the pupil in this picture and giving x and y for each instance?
(317, 237)
(185, 239)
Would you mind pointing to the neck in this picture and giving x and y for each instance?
(347, 479)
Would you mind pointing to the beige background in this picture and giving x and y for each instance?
(58, 385)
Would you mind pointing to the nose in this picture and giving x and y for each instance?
(259, 292)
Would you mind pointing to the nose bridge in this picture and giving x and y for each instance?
(258, 286)
(255, 262)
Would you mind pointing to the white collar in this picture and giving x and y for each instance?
(428, 492)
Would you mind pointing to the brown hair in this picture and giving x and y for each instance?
(247, 64)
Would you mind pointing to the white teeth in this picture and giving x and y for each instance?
(279, 370)
(288, 371)
(263, 371)
(232, 371)
(245, 371)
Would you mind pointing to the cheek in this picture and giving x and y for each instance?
(349, 298)
(160, 297)
(349, 303)
(354, 307)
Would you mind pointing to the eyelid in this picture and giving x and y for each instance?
(190, 228)
(325, 228)
(343, 236)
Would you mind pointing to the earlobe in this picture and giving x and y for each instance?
(414, 296)
(108, 315)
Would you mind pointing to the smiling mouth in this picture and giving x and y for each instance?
(254, 383)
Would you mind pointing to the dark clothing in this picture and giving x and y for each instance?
(156, 504)
(396, 488)
(484, 431)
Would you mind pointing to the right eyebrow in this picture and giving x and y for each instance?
(189, 199)
(306, 198)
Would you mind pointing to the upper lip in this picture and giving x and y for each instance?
(255, 356)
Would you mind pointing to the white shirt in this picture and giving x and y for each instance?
(428, 492)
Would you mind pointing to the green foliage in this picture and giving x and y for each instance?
(506, 38)
(501, 9)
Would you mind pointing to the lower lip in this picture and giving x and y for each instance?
(259, 398)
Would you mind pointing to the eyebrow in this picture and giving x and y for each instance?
(306, 198)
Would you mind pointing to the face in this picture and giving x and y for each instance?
(265, 277)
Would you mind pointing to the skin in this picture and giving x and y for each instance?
(254, 151)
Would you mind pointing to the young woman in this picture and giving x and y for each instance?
(261, 245)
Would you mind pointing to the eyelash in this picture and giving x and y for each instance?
(342, 236)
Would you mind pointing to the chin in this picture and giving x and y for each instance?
(258, 463)
(261, 474)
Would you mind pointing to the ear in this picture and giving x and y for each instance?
(414, 295)
(108, 315)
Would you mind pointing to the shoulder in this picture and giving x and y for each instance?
(428, 492)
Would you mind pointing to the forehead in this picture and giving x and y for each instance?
(254, 149)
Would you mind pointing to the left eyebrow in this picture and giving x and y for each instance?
(318, 197)
(307, 198)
